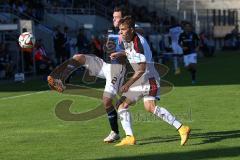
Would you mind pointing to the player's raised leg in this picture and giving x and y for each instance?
(58, 76)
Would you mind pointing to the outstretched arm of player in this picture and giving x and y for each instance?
(135, 77)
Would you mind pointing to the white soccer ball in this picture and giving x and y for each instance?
(26, 40)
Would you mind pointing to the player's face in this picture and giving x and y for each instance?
(126, 32)
(116, 18)
(188, 28)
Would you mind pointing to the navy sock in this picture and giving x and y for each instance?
(112, 117)
(193, 73)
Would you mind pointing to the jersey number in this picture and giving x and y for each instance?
(114, 80)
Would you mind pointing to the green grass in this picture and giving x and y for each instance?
(31, 130)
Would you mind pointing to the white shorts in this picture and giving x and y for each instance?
(177, 49)
(190, 58)
(113, 73)
(146, 89)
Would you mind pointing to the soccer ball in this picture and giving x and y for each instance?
(26, 40)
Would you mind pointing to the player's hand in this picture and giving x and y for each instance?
(114, 55)
(124, 88)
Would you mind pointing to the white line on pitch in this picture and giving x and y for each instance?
(22, 95)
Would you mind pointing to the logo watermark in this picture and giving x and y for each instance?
(62, 108)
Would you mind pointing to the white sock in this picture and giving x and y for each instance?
(126, 121)
(167, 116)
(175, 63)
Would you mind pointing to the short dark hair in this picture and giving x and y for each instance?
(187, 23)
(128, 20)
(124, 11)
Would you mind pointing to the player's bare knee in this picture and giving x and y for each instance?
(123, 105)
(149, 106)
(80, 58)
(120, 102)
(107, 102)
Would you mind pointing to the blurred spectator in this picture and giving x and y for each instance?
(58, 40)
(232, 40)
(65, 3)
(73, 47)
(82, 42)
(6, 64)
(96, 46)
(66, 43)
(235, 35)
(5, 4)
(39, 10)
(43, 63)
(26, 9)
(207, 44)
(20, 7)
(235, 31)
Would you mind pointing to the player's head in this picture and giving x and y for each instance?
(127, 28)
(118, 13)
(188, 27)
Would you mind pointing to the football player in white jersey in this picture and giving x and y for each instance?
(145, 83)
(113, 73)
(174, 31)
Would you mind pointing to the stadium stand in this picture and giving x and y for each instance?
(48, 14)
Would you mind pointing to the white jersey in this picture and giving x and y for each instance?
(175, 33)
(139, 51)
(148, 85)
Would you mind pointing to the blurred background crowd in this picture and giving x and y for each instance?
(58, 39)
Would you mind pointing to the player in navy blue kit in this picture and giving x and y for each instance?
(189, 42)
(113, 72)
(114, 44)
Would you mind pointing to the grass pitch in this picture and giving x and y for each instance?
(30, 128)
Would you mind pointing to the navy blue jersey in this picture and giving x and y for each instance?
(189, 42)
